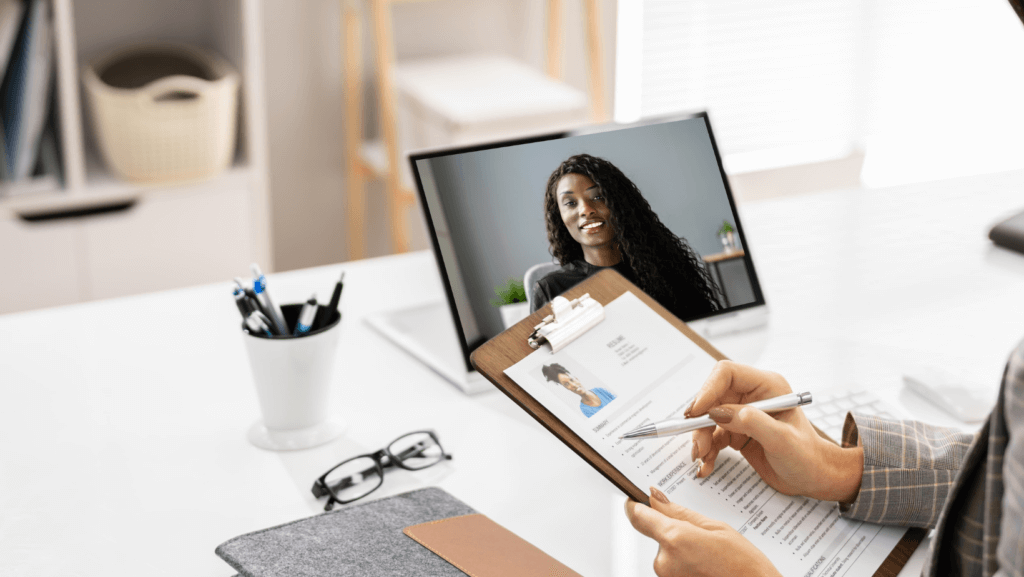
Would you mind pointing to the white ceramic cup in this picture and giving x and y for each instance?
(293, 383)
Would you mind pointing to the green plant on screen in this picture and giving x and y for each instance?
(509, 293)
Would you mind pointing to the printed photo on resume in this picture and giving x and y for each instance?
(592, 397)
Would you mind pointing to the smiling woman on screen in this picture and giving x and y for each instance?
(597, 218)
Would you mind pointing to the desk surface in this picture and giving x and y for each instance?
(122, 422)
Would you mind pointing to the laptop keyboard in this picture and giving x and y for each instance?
(828, 411)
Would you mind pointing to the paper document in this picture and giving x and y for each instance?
(635, 368)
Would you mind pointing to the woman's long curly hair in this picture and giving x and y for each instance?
(664, 264)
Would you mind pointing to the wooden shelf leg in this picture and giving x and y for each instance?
(595, 60)
(354, 178)
(385, 58)
(555, 39)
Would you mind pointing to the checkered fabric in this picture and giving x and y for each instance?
(970, 488)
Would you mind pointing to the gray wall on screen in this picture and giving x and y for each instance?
(494, 199)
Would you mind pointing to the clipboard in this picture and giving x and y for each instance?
(516, 343)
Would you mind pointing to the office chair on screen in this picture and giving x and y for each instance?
(534, 274)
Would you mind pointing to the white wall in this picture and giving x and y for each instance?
(304, 100)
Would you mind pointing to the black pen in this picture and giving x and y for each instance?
(250, 295)
(244, 304)
(336, 295)
(324, 313)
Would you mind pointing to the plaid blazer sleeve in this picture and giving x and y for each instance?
(909, 468)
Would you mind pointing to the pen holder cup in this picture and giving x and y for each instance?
(293, 383)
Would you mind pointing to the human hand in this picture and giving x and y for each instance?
(690, 544)
(783, 448)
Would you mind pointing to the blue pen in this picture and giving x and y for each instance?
(306, 316)
(270, 308)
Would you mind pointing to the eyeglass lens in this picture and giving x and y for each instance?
(354, 478)
(416, 450)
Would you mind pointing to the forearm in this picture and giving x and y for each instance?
(844, 468)
(907, 469)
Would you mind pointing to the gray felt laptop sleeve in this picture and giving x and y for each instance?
(363, 540)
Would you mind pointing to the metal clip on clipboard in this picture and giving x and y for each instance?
(568, 322)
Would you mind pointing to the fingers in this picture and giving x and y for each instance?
(708, 465)
(719, 441)
(706, 440)
(773, 435)
(702, 439)
(650, 522)
(731, 382)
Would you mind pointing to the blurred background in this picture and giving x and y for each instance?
(149, 145)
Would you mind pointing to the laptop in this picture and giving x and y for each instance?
(485, 210)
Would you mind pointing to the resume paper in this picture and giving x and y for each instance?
(635, 368)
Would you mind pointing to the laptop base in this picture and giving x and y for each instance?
(426, 333)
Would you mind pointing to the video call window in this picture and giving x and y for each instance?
(517, 224)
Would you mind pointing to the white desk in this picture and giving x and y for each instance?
(122, 422)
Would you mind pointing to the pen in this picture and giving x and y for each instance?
(336, 295)
(267, 304)
(243, 303)
(258, 323)
(306, 316)
(250, 295)
(679, 426)
(324, 316)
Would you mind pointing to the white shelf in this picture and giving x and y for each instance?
(45, 194)
(228, 210)
(16, 194)
(84, 30)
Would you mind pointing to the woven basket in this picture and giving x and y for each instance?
(163, 113)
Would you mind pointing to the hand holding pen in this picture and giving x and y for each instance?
(785, 450)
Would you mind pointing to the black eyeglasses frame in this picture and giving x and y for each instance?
(383, 459)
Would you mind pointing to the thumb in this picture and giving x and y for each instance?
(648, 521)
(754, 423)
(661, 504)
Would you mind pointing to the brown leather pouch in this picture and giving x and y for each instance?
(480, 547)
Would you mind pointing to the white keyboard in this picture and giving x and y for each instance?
(828, 411)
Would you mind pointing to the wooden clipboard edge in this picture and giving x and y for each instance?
(901, 553)
(508, 348)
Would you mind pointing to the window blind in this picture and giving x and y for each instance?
(794, 81)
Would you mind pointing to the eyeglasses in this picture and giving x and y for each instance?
(359, 476)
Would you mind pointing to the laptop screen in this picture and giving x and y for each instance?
(514, 224)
